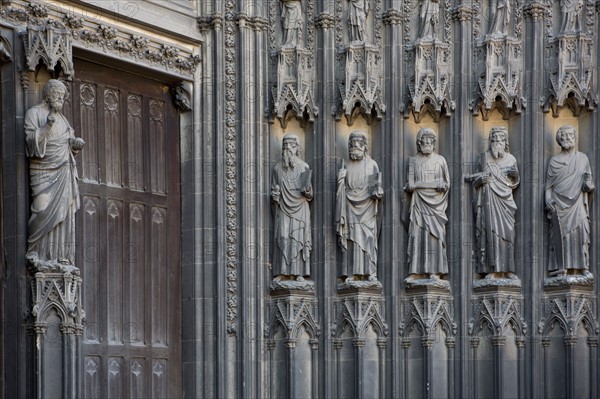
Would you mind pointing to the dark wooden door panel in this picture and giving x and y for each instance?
(128, 233)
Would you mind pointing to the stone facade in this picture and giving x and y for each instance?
(171, 293)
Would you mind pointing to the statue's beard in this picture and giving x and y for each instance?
(498, 150)
(426, 149)
(290, 160)
(56, 106)
(356, 154)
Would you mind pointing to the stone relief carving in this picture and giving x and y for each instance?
(51, 147)
(291, 192)
(428, 313)
(428, 62)
(360, 311)
(5, 51)
(570, 57)
(293, 313)
(293, 92)
(357, 20)
(498, 60)
(359, 193)
(424, 212)
(495, 208)
(568, 187)
(182, 98)
(360, 63)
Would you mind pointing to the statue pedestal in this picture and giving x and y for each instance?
(57, 326)
(292, 341)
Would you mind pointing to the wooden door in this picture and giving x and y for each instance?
(128, 230)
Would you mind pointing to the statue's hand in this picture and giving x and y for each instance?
(51, 119)
(77, 143)
(276, 193)
(377, 193)
(480, 181)
(550, 205)
(442, 187)
(409, 188)
(307, 193)
(342, 174)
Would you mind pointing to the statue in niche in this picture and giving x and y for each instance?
(359, 193)
(291, 192)
(51, 147)
(570, 15)
(495, 207)
(568, 184)
(501, 17)
(429, 19)
(293, 19)
(357, 19)
(427, 188)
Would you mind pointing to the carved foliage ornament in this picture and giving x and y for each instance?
(428, 313)
(570, 312)
(501, 313)
(293, 314)
(359, 313)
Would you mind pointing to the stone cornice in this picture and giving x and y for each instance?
(392, 17)
(325, 20)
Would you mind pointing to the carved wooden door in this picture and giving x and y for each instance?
(128, 233)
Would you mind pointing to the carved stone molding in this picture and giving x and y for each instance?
(462, 13)
(231, 226)
(360, 309)
(534, 10)
(51, 44)
(85, 30)
(570, 309)
(5, 51)
(427, 310)
(501, 309)
(428, 64)
(570, 61)
(293, 311)
(498, 59)
(362, 89)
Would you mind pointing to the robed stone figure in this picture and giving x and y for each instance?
(51, 147)
(359, 193)
(357, 19)
(293, 20)
(425, 207)
(291, 192)
(428, 19)
(568, 184)
(495, 207)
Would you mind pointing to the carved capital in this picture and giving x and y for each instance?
(50, 44)
(534, 10)
(392, 17)
(545, 342)
(451, 342)
(462, 13)
(592, 342)
(206, 23)
(405, 343)
(325, 20)
(498, 340)
(259, 24)
(382, 342)
(314, 344)
(271, 344)
(358, 342)
(427, 342)
(570, 341)
(338, 344)
(520, 341)
(474, 341)
(290, 343)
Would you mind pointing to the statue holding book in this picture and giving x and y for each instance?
(425, 209)
(359, 194)
(291, 192)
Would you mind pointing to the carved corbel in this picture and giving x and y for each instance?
(182, 97)
(5, 51)
(360, 311)
(50, 43)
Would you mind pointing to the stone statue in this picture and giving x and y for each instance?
(501, 18)
(495, 207)
(570, 15)
(359, 10)
(568, 182)
(429, 19)
(293, 19)
(51, 147)
(358, 195)
(291, 192)
(428, 185)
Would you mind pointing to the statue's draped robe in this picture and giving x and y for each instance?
(427, 229)
(570, 230)
(356, 218)
(293, 244)
(53, 182)
(358, 18)
(501, 17)
(495, 215)
(429, 15)
(292, 20)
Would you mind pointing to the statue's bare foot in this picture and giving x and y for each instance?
(434, 276)
(299, 278)
(373, 277)
(490, 276)
(511, 276)
(32, 258)
(64, 261)
(587, 274)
